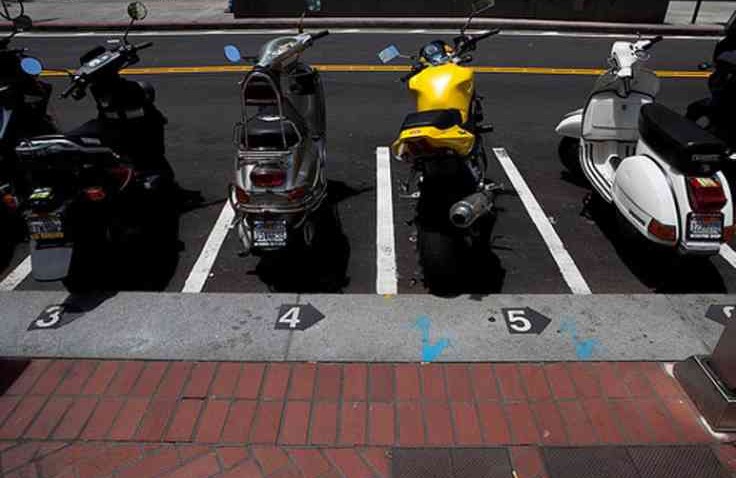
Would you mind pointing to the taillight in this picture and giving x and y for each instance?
(706, 195)
(268, 177)
(662, 231)
(95, 193)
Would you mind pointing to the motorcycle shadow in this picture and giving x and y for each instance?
(481, 274)
(308, 270)
(322, 269)
(659, 268)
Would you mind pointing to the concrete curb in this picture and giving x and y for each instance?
(384, 22)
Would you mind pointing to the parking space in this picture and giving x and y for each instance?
(541, 243)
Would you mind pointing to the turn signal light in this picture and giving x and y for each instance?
(728, 233)
(241, 195)
(296, 194)
(268, 177)
(706, 194)
(10, 202)
(95, 193)
(662, 231)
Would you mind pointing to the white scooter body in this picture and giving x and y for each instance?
(645, 188)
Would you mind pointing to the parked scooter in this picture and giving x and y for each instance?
(23, 104)
(106, 185)
(716, 114)
(660, 170)
(443, 144)
(280, 190)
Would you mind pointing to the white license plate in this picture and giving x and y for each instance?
(269, 233)
(46, 228)
(705, 227)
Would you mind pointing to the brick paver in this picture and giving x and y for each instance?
(95, 419)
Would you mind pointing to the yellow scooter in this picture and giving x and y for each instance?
(442, 142)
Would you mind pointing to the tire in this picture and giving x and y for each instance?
(569, 151)
(441, 258)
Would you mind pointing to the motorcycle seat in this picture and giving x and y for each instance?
(679, 141)
(264, 130)
(440, 119)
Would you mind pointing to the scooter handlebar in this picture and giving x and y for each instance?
(318, 35)
(143, 46)
(653, 42)
(69, 89)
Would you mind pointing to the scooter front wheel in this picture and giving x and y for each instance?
(569, 151)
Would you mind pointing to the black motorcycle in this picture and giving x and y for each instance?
(716, 114)
(104, 188)
(24, 100)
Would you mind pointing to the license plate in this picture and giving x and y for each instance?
(47, 228)
(705, 227)
(269, 233)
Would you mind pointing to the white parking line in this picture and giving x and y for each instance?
(728, 254)
(17, 275)
(385, 248)
(201, 270)
(565, 263)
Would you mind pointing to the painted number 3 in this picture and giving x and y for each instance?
(291, 317)
(54, 316)
(518, 321)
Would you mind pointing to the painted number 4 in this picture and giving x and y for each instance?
(291, 317)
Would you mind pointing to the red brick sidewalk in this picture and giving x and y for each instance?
(85, 418)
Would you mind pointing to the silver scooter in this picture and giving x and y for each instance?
(280, 189)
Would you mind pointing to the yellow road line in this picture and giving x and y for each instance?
(531, 70)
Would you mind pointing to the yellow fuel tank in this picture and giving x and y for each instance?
(444, 87)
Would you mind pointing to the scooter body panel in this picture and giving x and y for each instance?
(642, 192)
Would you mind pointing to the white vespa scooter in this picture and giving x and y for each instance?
(660, 170)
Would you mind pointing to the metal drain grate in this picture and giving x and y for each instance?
(633, 462)
(676, 462)
(597, 462)
(451, 463)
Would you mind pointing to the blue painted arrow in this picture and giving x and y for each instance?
(584, 349)
(430, 351)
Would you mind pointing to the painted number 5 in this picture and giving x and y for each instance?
(291, 317)
(518, 321)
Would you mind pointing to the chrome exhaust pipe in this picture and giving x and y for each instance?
(465, 212)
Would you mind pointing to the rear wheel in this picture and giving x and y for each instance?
(569, 151)
(441, 257)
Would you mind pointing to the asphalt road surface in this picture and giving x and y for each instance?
(365, 110)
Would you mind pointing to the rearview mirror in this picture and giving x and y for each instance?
(388, 54)
(483, 5)
(22, 23)
(232, 53)
(137, 11)
(314, 5)
(31, 66)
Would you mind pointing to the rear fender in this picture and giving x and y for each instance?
(571, 124)
(642, 192)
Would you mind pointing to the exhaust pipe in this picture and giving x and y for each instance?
(465, 212)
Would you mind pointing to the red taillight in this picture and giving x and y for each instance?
(10, 202)
(662, 231)
(706, 194)
(268, 177)
(95, 193)
(241, 196)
